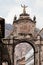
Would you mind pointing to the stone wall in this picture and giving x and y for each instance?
(24, 26)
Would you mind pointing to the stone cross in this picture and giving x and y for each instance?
(24, 7)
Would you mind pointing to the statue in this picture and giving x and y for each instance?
(24, 7)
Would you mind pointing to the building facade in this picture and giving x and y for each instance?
(24, 30)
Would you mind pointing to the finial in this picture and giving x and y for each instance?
(15, 17)
(24, 7)
(34, 18)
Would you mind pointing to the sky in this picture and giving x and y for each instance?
(10, 8)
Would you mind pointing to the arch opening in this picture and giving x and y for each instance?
(4, 63)
(24, 54)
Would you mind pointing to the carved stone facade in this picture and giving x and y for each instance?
(24, 31)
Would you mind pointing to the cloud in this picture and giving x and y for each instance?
(13, 11)
(39, 3)
(39, 21)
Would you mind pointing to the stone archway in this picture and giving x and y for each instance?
(29, 42)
